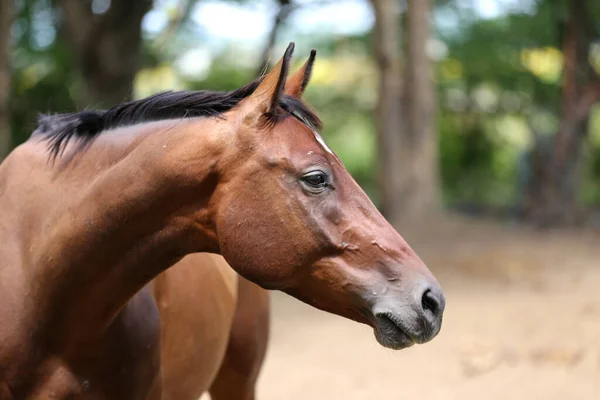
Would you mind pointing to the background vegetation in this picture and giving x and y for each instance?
(486, 107)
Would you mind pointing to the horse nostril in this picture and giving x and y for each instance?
(433, 303)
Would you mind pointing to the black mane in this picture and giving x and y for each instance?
(84, 126)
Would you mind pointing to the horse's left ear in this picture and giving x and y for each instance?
(297, 83)
(267, 95)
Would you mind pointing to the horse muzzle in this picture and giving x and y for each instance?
(401, 320)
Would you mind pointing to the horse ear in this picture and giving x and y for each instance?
(297, 83)
(267, 95)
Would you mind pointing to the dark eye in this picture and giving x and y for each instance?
(315, 180)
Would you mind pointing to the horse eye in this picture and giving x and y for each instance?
(316, 179)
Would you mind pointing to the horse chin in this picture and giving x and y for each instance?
(390, 335)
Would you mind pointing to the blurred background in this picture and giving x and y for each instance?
(472, 124)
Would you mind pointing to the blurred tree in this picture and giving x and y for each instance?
(43, 70)
(107, 44)
(510, 68)
(408, 145)
(6, 16)
(283, 12)
(552, 196)
(419, 193)
(388, 120)
(178, 17)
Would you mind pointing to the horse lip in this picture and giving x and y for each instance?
(388, 319)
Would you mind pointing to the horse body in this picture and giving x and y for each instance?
(168, 341)
(86, 306)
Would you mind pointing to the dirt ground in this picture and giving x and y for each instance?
(522, 322)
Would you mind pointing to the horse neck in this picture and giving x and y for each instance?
(147, 204)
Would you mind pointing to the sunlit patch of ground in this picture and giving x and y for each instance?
(522, 322)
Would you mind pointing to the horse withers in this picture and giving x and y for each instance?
(97, 205)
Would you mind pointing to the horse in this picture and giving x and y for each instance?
(97, 207)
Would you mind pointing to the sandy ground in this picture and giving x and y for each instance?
(522, 322)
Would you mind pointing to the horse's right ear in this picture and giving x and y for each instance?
(267, 95)
(297, 83)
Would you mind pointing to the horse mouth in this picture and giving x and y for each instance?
(390, 333)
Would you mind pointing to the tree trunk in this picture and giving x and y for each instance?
(387, 55)
(6, 15)
(107, 47)
(552, 195)
(408, 174)
(420, 191)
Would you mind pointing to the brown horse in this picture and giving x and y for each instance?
(129, 192)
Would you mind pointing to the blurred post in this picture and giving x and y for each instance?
(107, 46)
(6, 15)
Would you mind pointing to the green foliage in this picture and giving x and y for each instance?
(44, 73)
(497, 78)
(472, 168)
(509, 66)
(590, 188)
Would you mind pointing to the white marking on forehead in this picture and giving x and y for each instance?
(322, 142)
(317, 136)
